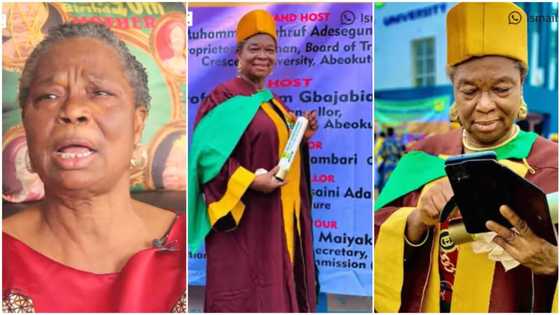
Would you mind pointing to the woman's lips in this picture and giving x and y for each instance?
(75, 160)
(486, 125)
(66, 143)
(74, 154)
(261, 67)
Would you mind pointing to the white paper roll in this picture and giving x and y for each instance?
(289, 153)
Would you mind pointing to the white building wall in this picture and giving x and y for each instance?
(393, 48)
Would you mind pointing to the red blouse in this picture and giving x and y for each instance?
(153, 280)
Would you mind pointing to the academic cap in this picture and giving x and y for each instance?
(481, 29)
(255, 22)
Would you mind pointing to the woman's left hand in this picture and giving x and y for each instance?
(312, 126)
(524, 246)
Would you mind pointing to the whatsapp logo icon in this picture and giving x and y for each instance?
(514, 17)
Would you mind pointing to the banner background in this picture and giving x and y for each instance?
(148, 29)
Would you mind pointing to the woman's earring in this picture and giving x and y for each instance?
(139, 157)
(239, 66)
(522, 114)
(454, 114)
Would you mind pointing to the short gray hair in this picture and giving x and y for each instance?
(134, 70)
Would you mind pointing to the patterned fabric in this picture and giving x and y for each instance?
(181, 306)
(16, 303)
(448, 253)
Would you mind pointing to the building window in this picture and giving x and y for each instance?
(424, 62)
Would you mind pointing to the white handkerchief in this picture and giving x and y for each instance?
(484, 243)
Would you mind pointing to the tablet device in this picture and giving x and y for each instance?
(481, 184)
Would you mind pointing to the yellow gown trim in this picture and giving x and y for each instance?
(237, 184)
(290, 192)
(389, 258)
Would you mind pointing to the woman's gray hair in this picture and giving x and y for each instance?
(134, 70)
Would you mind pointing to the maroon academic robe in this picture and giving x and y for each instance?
(248, 265)
(511, 291)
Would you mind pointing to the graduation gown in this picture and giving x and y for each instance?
(407, 278)
(259, 249)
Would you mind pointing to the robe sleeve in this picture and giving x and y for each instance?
(544, 159)
(223, 194)
(401, 271)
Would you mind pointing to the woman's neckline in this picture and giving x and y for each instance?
(472, 148)
(170, 234)
(251, 83)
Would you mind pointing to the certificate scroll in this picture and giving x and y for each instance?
(287, 157)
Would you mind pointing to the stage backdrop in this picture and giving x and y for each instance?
(324, 63)
(154, 33)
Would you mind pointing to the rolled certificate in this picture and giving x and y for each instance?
(287, 157)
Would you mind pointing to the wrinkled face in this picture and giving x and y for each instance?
(258, 56)
(488, 97)
(177, 39)
(80, 119)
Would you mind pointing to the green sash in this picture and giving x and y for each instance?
(213, 141)
(417, 168)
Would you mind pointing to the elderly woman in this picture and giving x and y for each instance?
(417, 266)
(257, 228)
(88, 247)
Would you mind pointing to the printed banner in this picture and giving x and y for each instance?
(154, 33)
(427, 110)
(324, 63)
(413, 119)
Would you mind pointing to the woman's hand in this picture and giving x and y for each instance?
(428, 209)
(312, 126)
(267, 183)
(528, 249)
